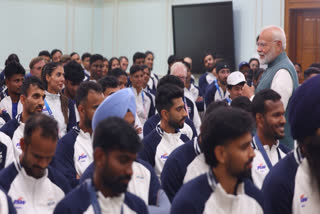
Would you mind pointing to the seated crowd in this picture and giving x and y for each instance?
(92, 135)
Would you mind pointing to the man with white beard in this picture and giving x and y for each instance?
(280, 75)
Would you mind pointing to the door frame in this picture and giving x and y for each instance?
(291, 9)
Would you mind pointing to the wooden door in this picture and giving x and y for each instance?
(307, 36)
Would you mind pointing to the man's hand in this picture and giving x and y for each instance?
(138, 129)
(248, 91)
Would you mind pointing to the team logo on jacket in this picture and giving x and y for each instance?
(303, 200)
(82, 157)
(261, 167)
(164, 156)
(51, 202)
(19, 202)
(18, 145)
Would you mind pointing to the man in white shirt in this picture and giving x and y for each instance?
(33, 185)
(225, 187)
(115, 146)
(268, 111)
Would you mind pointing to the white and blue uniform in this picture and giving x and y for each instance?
(215, 93)
(175, 168)
(86, 199)
(6, 105)
(144, 182)
(188, 128)
(6, 206)
(204, 194)
(6, 151)
(31, 195)
(145, 105)
(52, 108)
(263, 161)
(14, 130)
(158, 145)
(74, 154)
(290, 188)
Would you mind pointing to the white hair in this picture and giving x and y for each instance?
(178, 67)
(277, 34)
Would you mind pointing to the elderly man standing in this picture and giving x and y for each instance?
(280, 75)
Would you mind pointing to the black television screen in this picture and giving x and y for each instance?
(198, 28)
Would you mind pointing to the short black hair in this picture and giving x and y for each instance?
(31, 80)
(12, 69)
(208, 53)
(73, 53)
(11, 58)
(311, 70)
(172, 59)
(242, 102)
(258, 102)
(215, 105)
(48, 126)
(85, 55)
(138, 55)
(116, 72)
(115, 133)
(73, 72)
(135, 68)
(83, 90)
(170, 79)
(44, 53)
(123, 57)
(164, 96)
(95, 57)
(108, 82)
(55, 51)
(220, 126)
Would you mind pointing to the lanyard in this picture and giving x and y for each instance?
(263, 152)
(217, 86)
(93, 198)
(186, 106)
(48, 107)
(143, 103)
(228, 100)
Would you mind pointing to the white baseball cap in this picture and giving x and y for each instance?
(235, 78)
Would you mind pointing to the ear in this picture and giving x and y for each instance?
(81, 109)
(130, 77)
(220, 154)
(22, 99)
(6, 80)
(164, 114)
(259, 120)
(22, 145)
(99, 157)
(47, 77)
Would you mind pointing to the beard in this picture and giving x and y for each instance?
(176, 125)
(312, 151)
(269, 57)
(87, 122)
(240, 175)
(116, 185)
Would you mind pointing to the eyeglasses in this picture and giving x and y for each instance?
(264, 44)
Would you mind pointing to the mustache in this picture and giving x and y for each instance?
(248, 162)
(124, 177)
